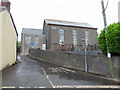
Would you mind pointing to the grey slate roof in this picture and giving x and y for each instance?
(32, 31)
(68, 23)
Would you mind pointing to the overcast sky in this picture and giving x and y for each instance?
(31, 13)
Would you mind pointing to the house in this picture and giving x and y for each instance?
(31, 38)
(66, 35)
(8, 39)
(59, 35)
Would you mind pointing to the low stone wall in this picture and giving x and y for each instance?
(97, 64)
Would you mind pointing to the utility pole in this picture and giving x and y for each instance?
(105, 25)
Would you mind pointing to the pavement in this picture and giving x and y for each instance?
(33, 73)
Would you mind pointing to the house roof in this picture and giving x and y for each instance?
(13, 24)
(32, 31)
(12, 21)
(69, 23)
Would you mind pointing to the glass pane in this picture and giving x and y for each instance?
(28, 38)
(36, 38)
(74, 37)
(86, 36)
(61, 36)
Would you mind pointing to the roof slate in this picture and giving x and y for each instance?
(68, 23)
(32, 31)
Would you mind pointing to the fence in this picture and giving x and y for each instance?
(71, 47)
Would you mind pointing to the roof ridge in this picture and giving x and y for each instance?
(63, 21)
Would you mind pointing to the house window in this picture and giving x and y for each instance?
(28, 39)
(86, 37)
(61, 36)
(36, 39)
(53, 27)
(74, 37)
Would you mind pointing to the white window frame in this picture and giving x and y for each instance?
(53, 27)
(28, 39)
(86, 36)
(61, 36)
(36, 39)
(74, 37)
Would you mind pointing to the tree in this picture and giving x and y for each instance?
(111, 39)
(19, 47)
(19, 43)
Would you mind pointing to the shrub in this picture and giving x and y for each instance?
(113, 39)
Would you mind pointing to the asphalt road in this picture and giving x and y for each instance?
(33, 73)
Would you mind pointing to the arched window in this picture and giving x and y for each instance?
(61, 36)
(74, 37)
(86, 37)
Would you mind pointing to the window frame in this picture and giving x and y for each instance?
(36, 39)
(86, 37)
(61, 36)
(74, 32)
(28, 40)
(53, 27)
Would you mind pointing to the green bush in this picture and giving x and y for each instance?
(111, 39)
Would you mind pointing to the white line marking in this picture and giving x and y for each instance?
(67, 70)
(8, 87)
(20, 87)
(24, 87)
(86, 86)
(48, 78)
(40, 87)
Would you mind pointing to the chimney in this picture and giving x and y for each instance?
(6, 4)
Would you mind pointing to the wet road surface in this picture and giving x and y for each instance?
(33, 73)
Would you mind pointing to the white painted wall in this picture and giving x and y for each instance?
(0, 41)
(8, 40)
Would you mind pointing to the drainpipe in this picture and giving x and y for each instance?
(16, 48)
